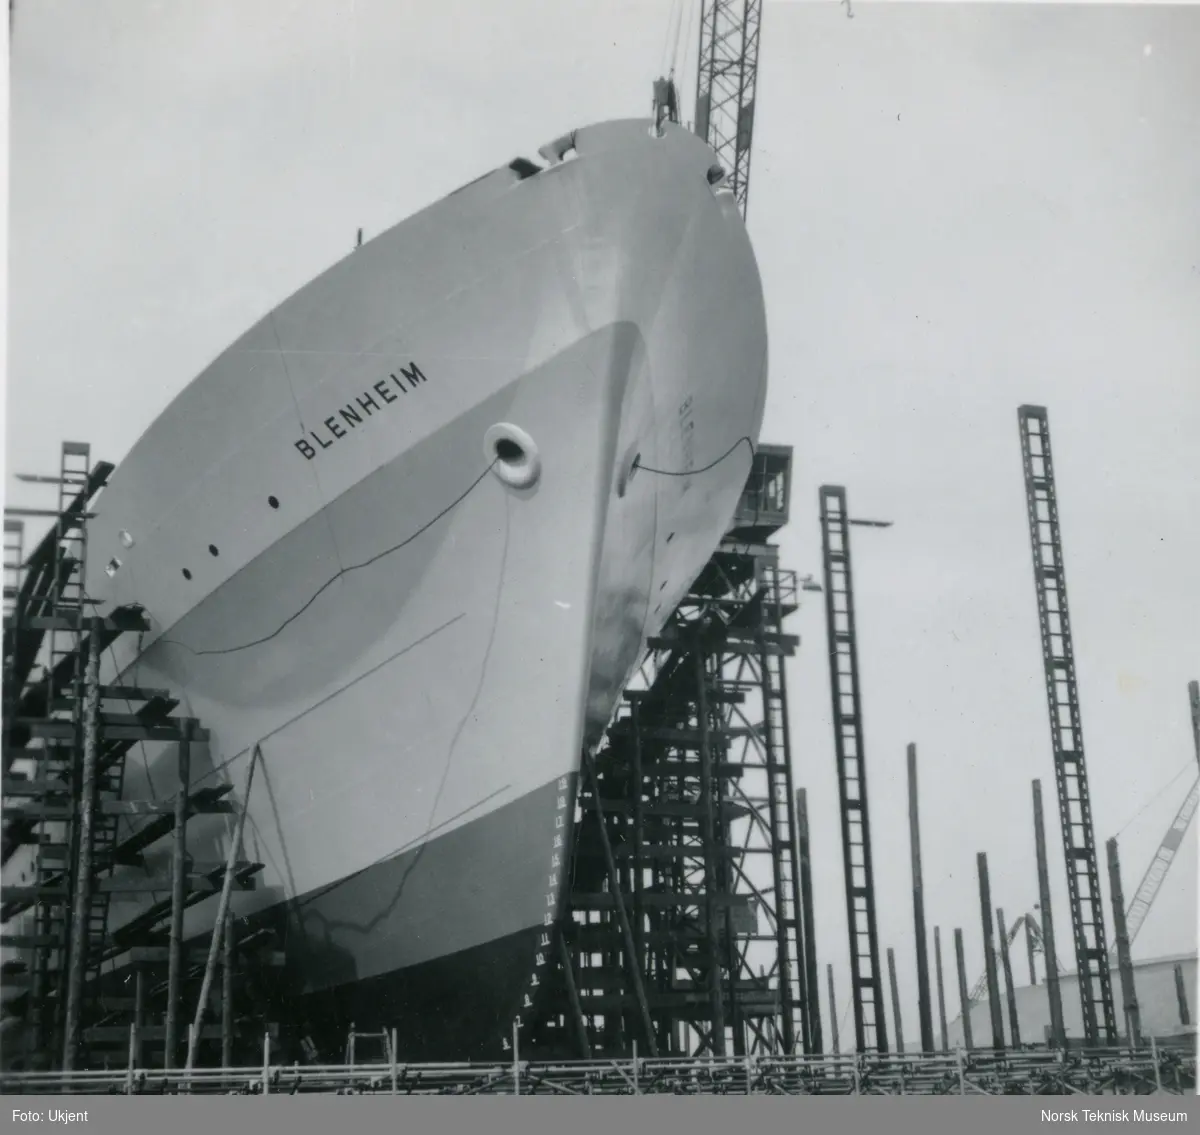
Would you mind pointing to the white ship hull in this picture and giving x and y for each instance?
(421, 720)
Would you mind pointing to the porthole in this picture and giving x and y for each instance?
(212, 550)
(509, 451)
(187, 574)
(273, 502)
(514, 456)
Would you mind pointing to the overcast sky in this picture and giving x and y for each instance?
(956, 209)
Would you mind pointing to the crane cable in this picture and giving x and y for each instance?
(683, 40)
(671, 37)
(1155, 798)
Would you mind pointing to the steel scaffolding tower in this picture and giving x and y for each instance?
(683, 924)
(870, 1027)
(66, 813)
(1070, 770)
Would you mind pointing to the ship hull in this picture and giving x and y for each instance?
(342, 570)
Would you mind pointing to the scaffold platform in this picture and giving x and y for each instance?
(1106, 1071)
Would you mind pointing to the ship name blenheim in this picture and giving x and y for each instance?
(354, 413)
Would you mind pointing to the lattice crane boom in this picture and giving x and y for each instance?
(727, 85)
(1156, 873)
(1152, 881)
(979, 989)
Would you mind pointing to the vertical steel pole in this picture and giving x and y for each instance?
(716, 999)
(1058, 1032)
(516, 1067)
(1133, 1014)
(227, 992)
(639, 837)
(810, 932)
(989, 951)
(941, 989)
(1014, 1026)
(924, 1009)
(833, 1017)
(178, 891)
(963, 999)
(139, 1012)
(132, 1059)
(78, 950)
(1185, 1018)
(1194, 701)
(891, 960)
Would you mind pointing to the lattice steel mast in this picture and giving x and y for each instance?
(870, 1028)
(1070, 770)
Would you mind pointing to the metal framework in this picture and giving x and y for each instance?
(870, 1027)
(1070, 769)
(726, 84)
(65, 810)
(684, 925)
(1157, 1068)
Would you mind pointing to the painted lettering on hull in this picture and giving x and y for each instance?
(344, 421)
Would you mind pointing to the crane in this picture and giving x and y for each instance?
(726, 87)
(1143, 897)
(727, 84)
(979, 989)
(1156, 873)
(1160, 864)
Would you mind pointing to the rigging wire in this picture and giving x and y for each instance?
(338, 575)
(665, 57)
(743, 440)
(674, 59)
(1156, 797)
(685, 54)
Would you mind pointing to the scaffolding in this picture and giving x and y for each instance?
(1070, 769)
(683, 930)
(69, 829)
(1156, 1069)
